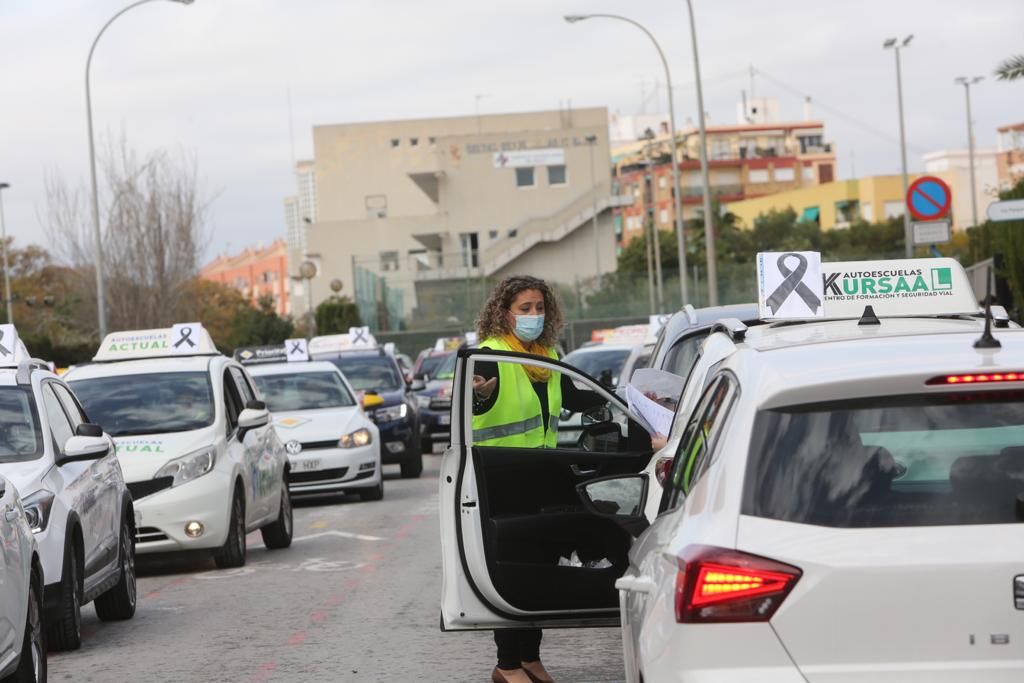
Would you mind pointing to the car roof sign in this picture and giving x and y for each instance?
(256, 355)
(185, 339)
(358, 339)
(12, 349)
(898, 288)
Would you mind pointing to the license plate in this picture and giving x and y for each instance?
(444, 419)
(306, 465)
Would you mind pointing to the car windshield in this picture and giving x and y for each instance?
(369, 372)
(20, 438)
(681, 357)
(304, 391)
(445, 370)
(595, 361)
(947, 459)
(430, 364)
(152, 403)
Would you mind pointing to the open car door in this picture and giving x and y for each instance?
(518, 547)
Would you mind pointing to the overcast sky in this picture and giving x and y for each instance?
(211, 79)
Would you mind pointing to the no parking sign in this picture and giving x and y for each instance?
(929, 198)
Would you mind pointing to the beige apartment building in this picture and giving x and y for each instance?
(409, 214)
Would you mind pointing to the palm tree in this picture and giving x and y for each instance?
(1011, 70)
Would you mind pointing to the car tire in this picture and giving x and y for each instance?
(119, 602)
(413, 467)
(64, 630)
(376, 493)
(278, 534)
(232, 553)
(32, 665)
(426, 446)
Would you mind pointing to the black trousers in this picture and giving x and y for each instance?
(517, 645)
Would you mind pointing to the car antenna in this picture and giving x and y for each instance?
(868, 317)
(986, 340)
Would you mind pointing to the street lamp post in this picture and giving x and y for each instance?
(895, 44)
(573, 18)
(101, 304)
(7, 271)
(967, 83)
(709, 218)
(591, 142)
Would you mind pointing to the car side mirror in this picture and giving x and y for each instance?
(88, 429)
(79, 448)
(251, 418)
(596, 415)
(607, 379)
(620, 498)
(417, 385)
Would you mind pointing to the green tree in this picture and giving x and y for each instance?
(1006, 238)
(263, 326)
(1011, 69)
(336, 314)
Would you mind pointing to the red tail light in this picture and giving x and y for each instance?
(662, 469)
(715, 585)
(978, 378)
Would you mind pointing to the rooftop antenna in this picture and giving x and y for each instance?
(986, 340)
(869, 317)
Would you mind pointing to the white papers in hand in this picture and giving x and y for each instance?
(654, 417)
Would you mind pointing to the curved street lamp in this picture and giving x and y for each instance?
(709, 234)
(101, 305)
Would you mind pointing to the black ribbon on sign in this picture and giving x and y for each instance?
(296, 348)
(3, 349)
(793, 283)
(360, 336)
(186, 337)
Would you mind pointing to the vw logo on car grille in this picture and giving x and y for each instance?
(293, 447)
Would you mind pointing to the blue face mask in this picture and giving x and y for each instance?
(529, 327)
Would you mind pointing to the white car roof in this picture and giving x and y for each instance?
(808, 363)
(292, 368)
(605, 347)
(143, 367)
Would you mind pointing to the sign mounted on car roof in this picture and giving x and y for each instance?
(257, 355)
(335, 343)
(187, 339)
(12, 350)
(789, 285)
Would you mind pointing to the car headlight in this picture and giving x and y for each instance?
(360, 437)
(37, 509)
(392, 413)
(423, 401)
(189, 467)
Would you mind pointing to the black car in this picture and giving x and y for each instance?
(374, 371)
(435, 405)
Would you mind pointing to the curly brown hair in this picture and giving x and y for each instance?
(493, 323)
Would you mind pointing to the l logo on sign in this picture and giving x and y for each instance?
(296, 350)
(790, 285)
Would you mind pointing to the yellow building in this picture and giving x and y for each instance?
(833, 205)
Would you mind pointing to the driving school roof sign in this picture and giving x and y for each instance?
(902, 287)
(186, 339)
(929, 198)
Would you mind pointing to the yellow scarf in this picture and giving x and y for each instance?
(534, 372)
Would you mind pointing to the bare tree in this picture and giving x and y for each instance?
(153, 235)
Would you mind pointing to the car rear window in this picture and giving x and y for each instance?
(939, 459)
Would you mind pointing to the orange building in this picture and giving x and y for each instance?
(744, 161)
(256, 272)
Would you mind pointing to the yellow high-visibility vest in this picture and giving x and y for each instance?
(515, 420)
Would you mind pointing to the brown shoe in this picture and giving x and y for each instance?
(537, 679)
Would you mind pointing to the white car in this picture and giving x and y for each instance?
(202, 462)
(333, 447)
(74, 496)
(845, 505)
(22, 636)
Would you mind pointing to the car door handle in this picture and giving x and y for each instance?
(575, 469)
(635, 584)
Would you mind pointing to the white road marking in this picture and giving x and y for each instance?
(340, 534)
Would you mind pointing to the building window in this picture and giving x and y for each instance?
(662, 182)
(847, 211)
(420, 259)
(663, 216)
(513, 233)
(470, 248)
(524, 177)
(720, 148)
(431, 139)
(810, 144)
(809, 174)
(867, 212)
(388, 260)
(893, 209)
(413, 142)
(812, 214)
(395, 142)
(376, 205)
(492, 235)
(758, 175)
(825, 173)
(556, 175)
(785, 175)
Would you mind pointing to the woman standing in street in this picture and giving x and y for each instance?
(517, 406)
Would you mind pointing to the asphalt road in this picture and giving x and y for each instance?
(355, 598)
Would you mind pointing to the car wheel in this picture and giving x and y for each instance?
(64, 630)
(118, 603)
(426, 446)
(32, 665)
(279, 533)
(413, 467)
(232, 553)
(376, 493)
